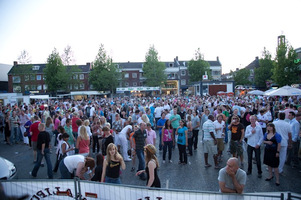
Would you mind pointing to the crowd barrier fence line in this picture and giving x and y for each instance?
(63, 189)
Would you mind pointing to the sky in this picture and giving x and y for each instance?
(234, 30)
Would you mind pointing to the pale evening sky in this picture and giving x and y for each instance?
(235, 30)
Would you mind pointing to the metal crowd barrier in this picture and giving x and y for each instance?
(88, 190)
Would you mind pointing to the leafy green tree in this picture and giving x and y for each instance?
(198, 67)
(264, 71)
(104, 75)
(241, 77)
(68, 56)
(153, 69)
(285, 70)
(24, 58)
(56, 75)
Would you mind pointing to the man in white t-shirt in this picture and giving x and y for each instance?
(210, 141)
(284, 129)
(219, 126)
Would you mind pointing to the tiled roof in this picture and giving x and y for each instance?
(28, 68)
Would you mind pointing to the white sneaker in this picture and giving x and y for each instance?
(163, 161)
(170, 161)
(128, 160)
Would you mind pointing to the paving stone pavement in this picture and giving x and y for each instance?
(193, 176)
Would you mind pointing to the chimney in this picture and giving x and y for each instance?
(15, 63)
(256, 58)
(217, 58)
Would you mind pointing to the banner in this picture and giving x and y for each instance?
(86, 190)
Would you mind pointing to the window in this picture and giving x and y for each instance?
(39, 77)
(183, 82)
(134, 83)
(134, 75)
(183, 72)
(16, 79)
(32, 77)
(126, 75)
(39, 87)
(26, 77)
(75, 76)
(36, 67)
(26, 88)
(45, 87)
(216, 73)
(81, 76)
(126, 84)
(75, 86)
(16, 88)
(81, 86)
(70, 86)
(44, 77)
(33, 87)
(91, 87)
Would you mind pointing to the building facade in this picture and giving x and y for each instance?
(30, 79)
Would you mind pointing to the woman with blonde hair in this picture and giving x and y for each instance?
(83, 142)
(49, 127)
(143, 118)
(152, 166)
(111, 165)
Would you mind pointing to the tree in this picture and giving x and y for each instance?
(153, 69)
(24, 58)
(198, 67)
(68, 56)
(241, 77)
(104, 75)
(56, 75)
(285, 71)
(264, 72)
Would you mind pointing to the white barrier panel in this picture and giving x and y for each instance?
(37, 190)
(64, 190)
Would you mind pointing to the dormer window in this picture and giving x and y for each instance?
(36, 67)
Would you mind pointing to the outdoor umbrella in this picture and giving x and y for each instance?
(285, 91)
(256, 92)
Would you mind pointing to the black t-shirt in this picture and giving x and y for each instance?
(113, 169)
(236, 131)
(105, 143)
(43, 137)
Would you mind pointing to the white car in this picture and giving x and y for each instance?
(7, 169)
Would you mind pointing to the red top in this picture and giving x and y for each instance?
(35, 131)
(83, 146)
(74, 125)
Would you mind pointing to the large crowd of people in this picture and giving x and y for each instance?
(118, 130)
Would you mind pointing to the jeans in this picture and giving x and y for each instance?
(250, 150)
(141, 165)
(160, 139)
(182, 153)
(95, 144)
(65, 174)
(112, 180)
(167, 144)
(14, 136)
(39, 160)
(226, 133)
(190, 143)
(292, 154)
(195, 138)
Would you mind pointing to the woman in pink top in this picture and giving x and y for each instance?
(167, 140)
(56, 123)
(83, 142)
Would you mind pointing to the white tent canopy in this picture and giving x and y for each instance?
(256, 92)
(285, 91)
